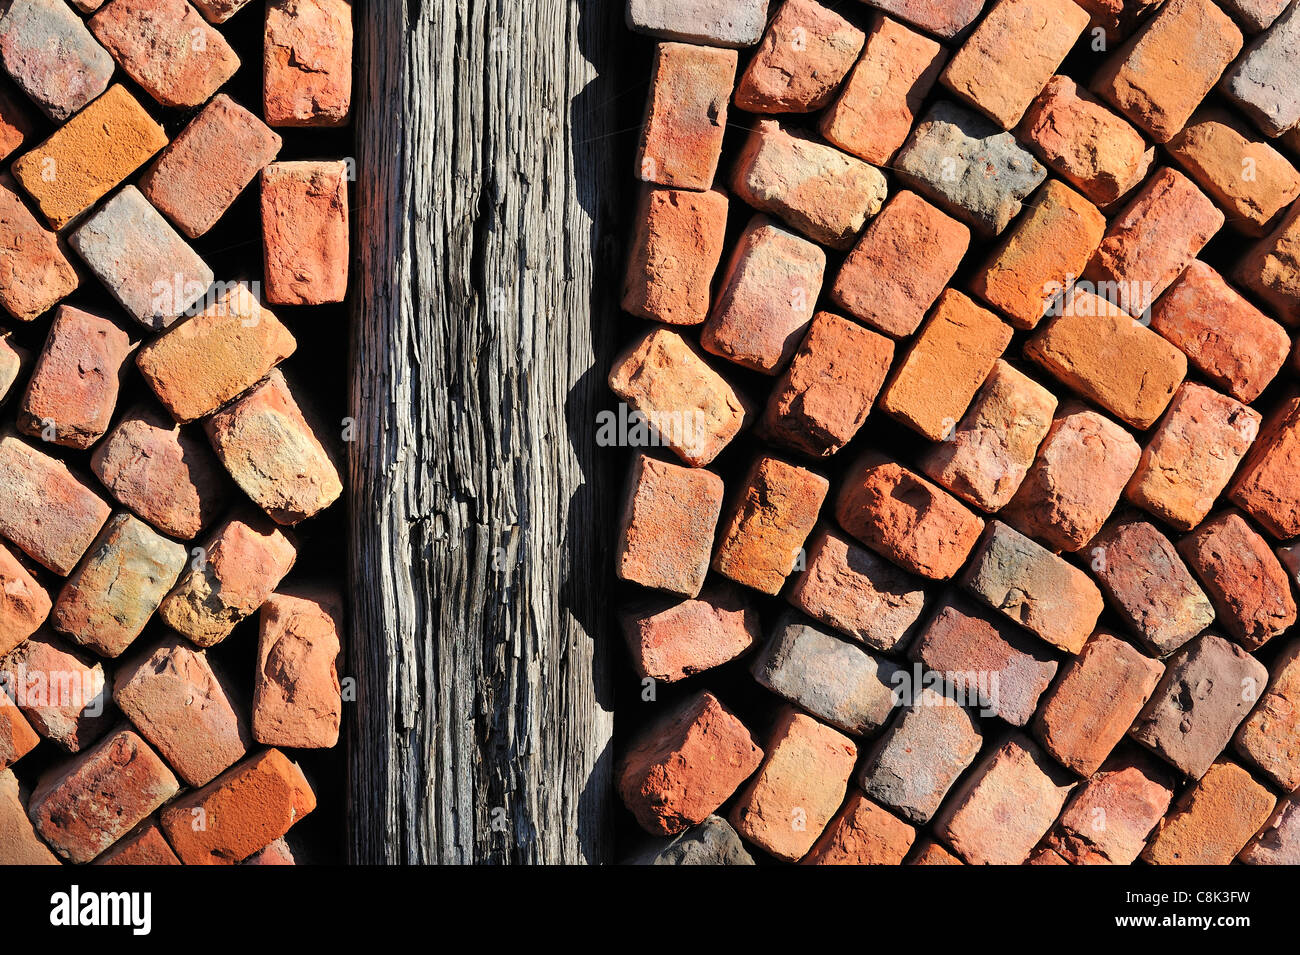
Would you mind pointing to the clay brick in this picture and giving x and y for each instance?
(24, 604)
(931, 853)
(1118, 18)
(34, 272)
(1076, 480)
(935, 382)
(307, 63)
(1267, 487)
(205, 168)
(50, 514)
(1213, 820)
(305, 232)
(49, 52)
(1100, 693)
(82, 807)
(16, 122)
(83, 160)
(805, 54)
(1099, 153)
(1010, 56)
(297, 700)
(110, 597)
(767, 298)
(862, 834)
(1247, 585)
(1099, 352)
(165, 474)
(969, 167)
(274, 454)
(695, 413)
(278, 852)
(998, 814)
(828, 677)
(712, 842)
(1278, 842)
(987, 455)
(916, 761)
(859, 594)
(1159, 77)
(1254, 15)
(1032, 586)
(1042, 254)
(1110, 815)
(167, 48)
(670, 515)
(770, 516)
(900, 265)
(243, 562)
(73, 388)
(243, 810)
(1263, 80)
(1231, 342)
(1148, 585)
(17, 738)
(824, 193)
(62, 694)
(735, 23)
(685, 115)
(12, 359)
(878, 104)
(673, 255)
(947, 20)
(1208, 688)
(828, 389)
(214, 11)
(1271, 268)
(205, 361)
(146, 845)
(686, 764)
(19, 844)
(984, 660)
(905, 518)
(671, 639)
(1270, 736)
(798, 788)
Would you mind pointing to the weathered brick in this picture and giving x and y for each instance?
(167, 48)
(62, 694)
(16, 122)
(24, 604)
(17, 738)
(305, 246)
(671, 639)
(49, 52)
(859, 594)
(806, 52)
(243, 562)
(110, 597)
(828, 389)
(205, 361)
(929, 852)
(685, 115)
(686, 764)
(905, 518)
(145, 845)
(1108, 819)
(798, 788)
(205, 168)
(1032, 586)
(767, 298)
(900, 265)
(1118, 18)
(1270, 736)
(278, 852)
(1208, 688)
(876, 107)
(969, 166)
(771, 514)
(13, 358)
(307, 63)
(1263, 81)
(824, 193)
(1271, 268)
(297, 700)
(1278, 841)
(73, 388)
(712, 842)
(83, 160)
(1255, 15)
(985, 458)
(862, 833)
(34, 272)
(735, 23)
(1213, 820)
(670, 515)
(19, 844)
(998, 814)
(1148, 585)
(82, 807)
(947, 19)
(214, 11)
(1076, 480)
(674, 253)
(1267, 486)
(934, 383)
(245, 809)
(1159, 77)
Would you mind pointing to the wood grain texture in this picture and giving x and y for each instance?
(484, 316)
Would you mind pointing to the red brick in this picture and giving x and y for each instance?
(676, 250)
(1278, 842)
(1270, 736)
(214, 11)
(862, 834)
(16, 122)
(297, 700)
(1044, 856)
(1267, 486)
(19, 844)
(685, 115)
(686, 764)
(62, 694)
(17, 738)
(305, 232)
(34, 272)
(931, 853)
(670, 514)
(770, 516)
(307, 63)
(1271, 268)
(240, 812)
(50, 54)
(1118, 18)
(804, 56)
(278, 852)
(13, 360)
(1213, 820)
(900, 265)
(947, 19)
(24, 603)
(671, 639)
(145, 846)
(1110, 816)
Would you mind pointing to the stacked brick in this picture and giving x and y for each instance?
(165, 675)
(966, 512)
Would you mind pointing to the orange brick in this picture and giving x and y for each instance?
(685, 115)
(145, 846)
(1111, 814)
(1267, 486)
(1271, 268)
(24, 603)
(1213, 820)
(862, 834)
(61, 693)
(671, 639)
(801, 60)
(1270, 736)
(666, 532)
(17, 738)
(305, 245)
(34, 272)
(675, 251)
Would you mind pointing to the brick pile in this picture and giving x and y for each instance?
(966, 524)
(174, 247)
